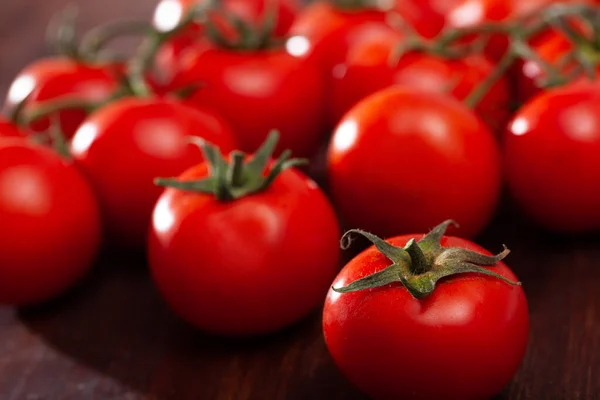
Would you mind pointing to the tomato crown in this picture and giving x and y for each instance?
(247, 36)
(420, 265)
(238, 178)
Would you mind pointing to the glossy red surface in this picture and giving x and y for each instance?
(126, 145)
(50, 224)
(465, 341)
(420, 157)
(60, 78)
(551, 157)
(252, 266)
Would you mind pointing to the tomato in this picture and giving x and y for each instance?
(169, 13)
(50, 224)
(469, 13)
(368, 69)
(557, 189)
(551, 49)
(59, 79)
(332, 29)
(124, 146)
(256, 91)
(421, 157)
(245, 266)
(464, 341)
(9, 129)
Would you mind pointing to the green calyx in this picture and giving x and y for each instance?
(239, 177)
(420, 265)
(247, 36)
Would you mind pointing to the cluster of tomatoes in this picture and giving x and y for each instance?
(184, 148)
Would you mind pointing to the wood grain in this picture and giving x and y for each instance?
(113, 338)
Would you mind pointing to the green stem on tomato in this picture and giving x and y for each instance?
(239, 178)
(419, 266)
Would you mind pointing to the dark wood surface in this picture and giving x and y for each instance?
(113, 338)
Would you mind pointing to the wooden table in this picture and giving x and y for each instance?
(113, 338)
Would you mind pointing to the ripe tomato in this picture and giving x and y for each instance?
(247, 266)
(469, 13)
(331, 28)
(558, 189)
(169, 13)
(465, 340)
(421, 157)
(256, 91)
(368, 69)
(551, 49)
(127, 144)
(50, 224)
(9, 129)
(61, 78)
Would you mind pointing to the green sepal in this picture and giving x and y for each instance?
(249, 36)
(237, 178)
(420, 265)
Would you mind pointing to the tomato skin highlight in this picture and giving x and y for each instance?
(61, 78)
(329, 30)
(464, 341)
(248, 267)
(368, 69)
(51, 229)
(258, 91)
(123, 147)
(421, 157)
(557, 189)
(169, 13)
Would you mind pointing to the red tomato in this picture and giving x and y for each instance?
(248, 266)
(61, 78)
(551, 49)
(257, 91)
(9, 129)
(50, 224)
(464, 341)
(469, 13)
(330, 31)
(551, 157)
(169, 13)
(421, 157)
(368, 69)
(127, 144)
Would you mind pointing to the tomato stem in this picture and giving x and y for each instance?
(420, 265)
(144, 60)
(98, 38)
(248, 37)
(240, 178)
(61, 34)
